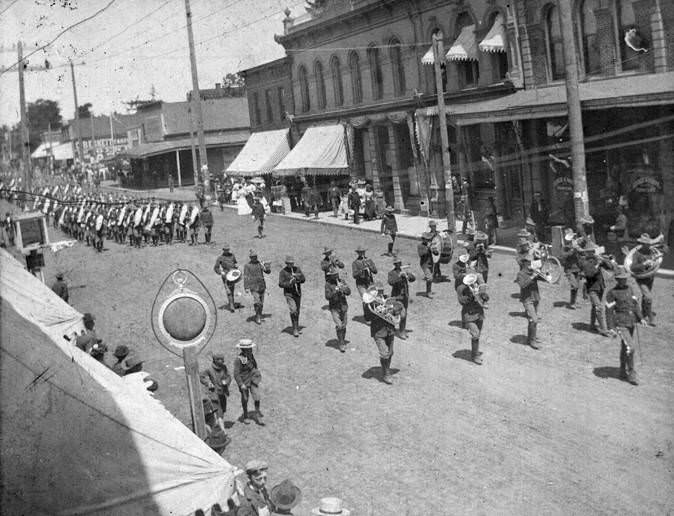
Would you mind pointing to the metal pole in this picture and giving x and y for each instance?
(194, 390)
(180, 179)
(25, 140)
(439, 54)
(580, 196)
(80, 149)
(196, 102)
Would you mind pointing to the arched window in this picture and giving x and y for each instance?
(397, 67)
(256, 109)
(356, 79)
(304, 88)
(337, 86)
(375, 72)
(555, 47)
(626, 21)
(320, 84)
(588, 34)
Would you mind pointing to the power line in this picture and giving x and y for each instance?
(7, 8)
(70, 27)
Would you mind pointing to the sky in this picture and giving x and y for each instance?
(131, 47)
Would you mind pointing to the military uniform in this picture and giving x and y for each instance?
(400, 291)
(259, 215)
(478, 253)
(216, 380)
(253, 281)
(530, 297)
(472, 314)
(363, 270)
(626, 313)
(389, 227)
(330, 262)
(640, 263)
(207, 221)
(60, 288)
(426, 262)
(290, 279)
(592, 267)
(223, 264)
(383, 334)
(571, 260)
(336, 293)
(248, 377)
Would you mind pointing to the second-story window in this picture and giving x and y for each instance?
(269, 106)
(555, 47)
(375, 72)
(282, 101)
(397, 67)
(256, 109)
(356, 79)
(304, 89)
(320, 84)
(337, 86)
(589, 41)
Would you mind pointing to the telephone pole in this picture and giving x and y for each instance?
(580, 197)
(439, 56)
(80, 149)
(25, 139)
(196, 104)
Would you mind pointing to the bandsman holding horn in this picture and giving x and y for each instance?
(530, 297)
(330, 261)
(253, 282)
(644, 263)
(591, 266)
(290, 279)
(382, 327)
(473, 297)
(399, 280)
(363, 270)
(336, 292)
(227, 268)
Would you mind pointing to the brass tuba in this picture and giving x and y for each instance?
(386, 309)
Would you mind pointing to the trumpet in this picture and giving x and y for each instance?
(341, 285)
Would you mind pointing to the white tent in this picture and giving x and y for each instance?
(76, 438)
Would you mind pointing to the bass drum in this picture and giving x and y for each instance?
(441, 249)
(656, 261)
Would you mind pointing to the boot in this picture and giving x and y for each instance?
(623, 363)
(293, 319)
(257, 409)
(475, 354)
(385, 376)
(531, 336)
(572, 301)
(341, 337)
(258, 314)
(230, 302)
(297, 321)
(593, 318)
(390, 249)
(244, 417)
(603, 329)
(631, 373)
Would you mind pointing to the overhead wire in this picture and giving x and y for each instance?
(8, 7)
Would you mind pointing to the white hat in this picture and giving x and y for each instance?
(463, 258)
(469, 278)
(330, 507)
(245, 344)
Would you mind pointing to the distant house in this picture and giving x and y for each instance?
(102, 136)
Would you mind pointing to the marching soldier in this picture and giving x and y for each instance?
(472, 298)
(433, 232)
(336, 292)
(591, 266)
(426, 262)
(223, 264)
(248, 378)
(363, 270)
(479, 254)
(626, 313)
(643, 262)
(330, 261)
(253, 282)
(400, 291)
(290, 279)
(571, 259)
(389, 227)
(383, 332)
(207, 221)
(530, 297)
(258, 214)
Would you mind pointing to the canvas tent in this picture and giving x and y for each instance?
(78, 439)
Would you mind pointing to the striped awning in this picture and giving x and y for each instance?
(495, 40)
(320, 151)
(261, 153)
(428, 58)
(465, 46)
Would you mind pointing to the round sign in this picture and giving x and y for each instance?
(184, 318)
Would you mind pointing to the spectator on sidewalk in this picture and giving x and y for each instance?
(60, 287)
(335, 197)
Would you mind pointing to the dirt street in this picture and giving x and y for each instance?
(529, 432)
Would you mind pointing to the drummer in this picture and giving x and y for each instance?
(225, 264)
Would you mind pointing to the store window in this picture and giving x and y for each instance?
(320, 84)
(376, 76)
(397, 67)
(304, 89)
(337, 85)
(555, 47)
(356, 79)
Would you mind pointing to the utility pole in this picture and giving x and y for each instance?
(25, 145)
(439, 56)
(580, 196)
(80, 149)
(196, 103)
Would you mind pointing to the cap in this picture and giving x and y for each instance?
(218, 356)
(327, 250)
(254, 466)
(245, 344)
(397, 259)
(432, 223)
(360, 249)
(121, 351)
(252, 253)
(289, 259)
(88, 317)
(225, 247)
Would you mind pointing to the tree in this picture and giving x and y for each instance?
(42, 114)
(84, 111)
(234, 85)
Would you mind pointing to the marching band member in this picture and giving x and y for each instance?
(336, 292)
(472, 298)
(194, 223)
(426, 262)
(642, 262)
(591, 266)
(225, 263)
(460, 269)
(363, 270)
(290, 279)
(400, 291)
(383, 332)
(253, 282)
(207, 221)
(389, 227)
(330, 261)
(433, 232)
(626, 313)
(479, 253)
(247, 377)
(530, 297)
(259, 215)
(571, 260)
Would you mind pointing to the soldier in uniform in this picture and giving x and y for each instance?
(181, 230)
(207, 221)
(400, 291)
(472, 300)
(363, 270)
(247, 377)
(216, 380)
(253, 282)
(591, 266)
(259, 215)
(642, 262)
(330, 261)
(426, 262)
(530, 297)
(60, 287)
(336, 292)
(571, 259)
(626, 313)
(290, 279)
(223, 264)
(460, 269)
(193, 227)
(389, 227)
(383, 332)
(433, 232)
(479, 254)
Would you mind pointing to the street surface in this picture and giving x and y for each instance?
(529, 432)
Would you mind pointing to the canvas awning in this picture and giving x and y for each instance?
(41, 152)
(261, 153)
(146, 150)
(428, 58)
(495, 40)
(320, 151)
(62, 151)
(465, 46)
(77, 438)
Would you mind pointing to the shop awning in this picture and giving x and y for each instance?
(495, 40)
(62, 151)
(428, 58)
(146, 150)
(465, 46)
(321, 151)
(262, 152)
(41, 152)
(550, 102)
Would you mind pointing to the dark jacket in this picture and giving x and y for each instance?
(478, 254)
(626, 311)
(471, 309)
(528, 282)
(330, 263)
(363, 271)
(253, 277)
(354, 200)
(258, 211)
(291, 283)
(246, 374)
(389, 225)
(217, 379)
(225, 263)
(571, 259)
(425, 255)
(252, 501)
(60, 287)
(206, 218)
(400, 288)
(337, 297)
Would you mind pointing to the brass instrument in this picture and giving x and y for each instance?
(479, 291)
(386, 309)
(295, 281)
(341, 285)
(653, 263)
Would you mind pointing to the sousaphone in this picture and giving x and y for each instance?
(653, 263)
(386, 309)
